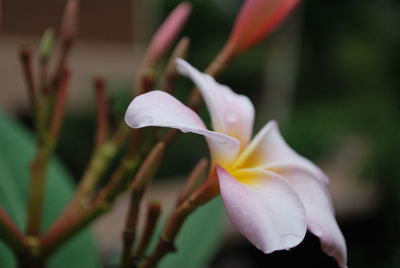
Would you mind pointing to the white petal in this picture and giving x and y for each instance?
(231, 113)
(158, 108)
(319, 211)
(269, 149)
(267, 211)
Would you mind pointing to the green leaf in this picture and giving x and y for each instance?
(17, 150)
(199, 238)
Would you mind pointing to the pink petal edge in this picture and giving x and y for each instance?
(319, 211)
(269, 214)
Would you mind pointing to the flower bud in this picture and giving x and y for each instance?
(69, 22)
(47, 44)
(167, 33)
(256, 20)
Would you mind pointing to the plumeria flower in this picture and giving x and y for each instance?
(271, 194)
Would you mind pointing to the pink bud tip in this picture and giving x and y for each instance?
(256, 20)
(168, 32)
(70, 21)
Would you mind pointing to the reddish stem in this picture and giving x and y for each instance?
(26, 61)
(153, 214)
(10, 234)
(59, 106)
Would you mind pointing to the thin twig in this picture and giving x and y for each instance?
(10, 234)
(58, 234)
(180, 51)
(68, 31)
(193, 181)
(98, 165)
(68, 225)
(59, 107)
(139, 185)
(153, 214)
(26, 61)
(166, 242)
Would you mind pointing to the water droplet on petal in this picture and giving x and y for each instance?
(231, 118)
(227, 144)
(145, 121)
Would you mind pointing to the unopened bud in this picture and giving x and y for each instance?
(46, 44)
(256, 20)
(167, 33)
(69, 22)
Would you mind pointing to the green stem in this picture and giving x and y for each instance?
(36, 189)
(98, 165)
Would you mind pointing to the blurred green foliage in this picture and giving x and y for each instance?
(17, 149)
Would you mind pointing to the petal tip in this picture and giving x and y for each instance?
(182, 66)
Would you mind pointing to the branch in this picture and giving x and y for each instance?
(10, 234)
(203, 194)
(139, 185)
(153, 214)
(26, 61)
(60, 233)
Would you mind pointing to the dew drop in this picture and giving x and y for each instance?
(231, 118)
(145, 121)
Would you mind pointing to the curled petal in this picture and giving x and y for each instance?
(231, 113)
(319, 211)
(269, 150)
(158, 108)
(257, 19)
(265, 209)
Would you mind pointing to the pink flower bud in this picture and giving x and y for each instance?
(256, 20)
(70, 21)
(167, 32)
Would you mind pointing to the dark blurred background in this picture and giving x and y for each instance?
(329, 75)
